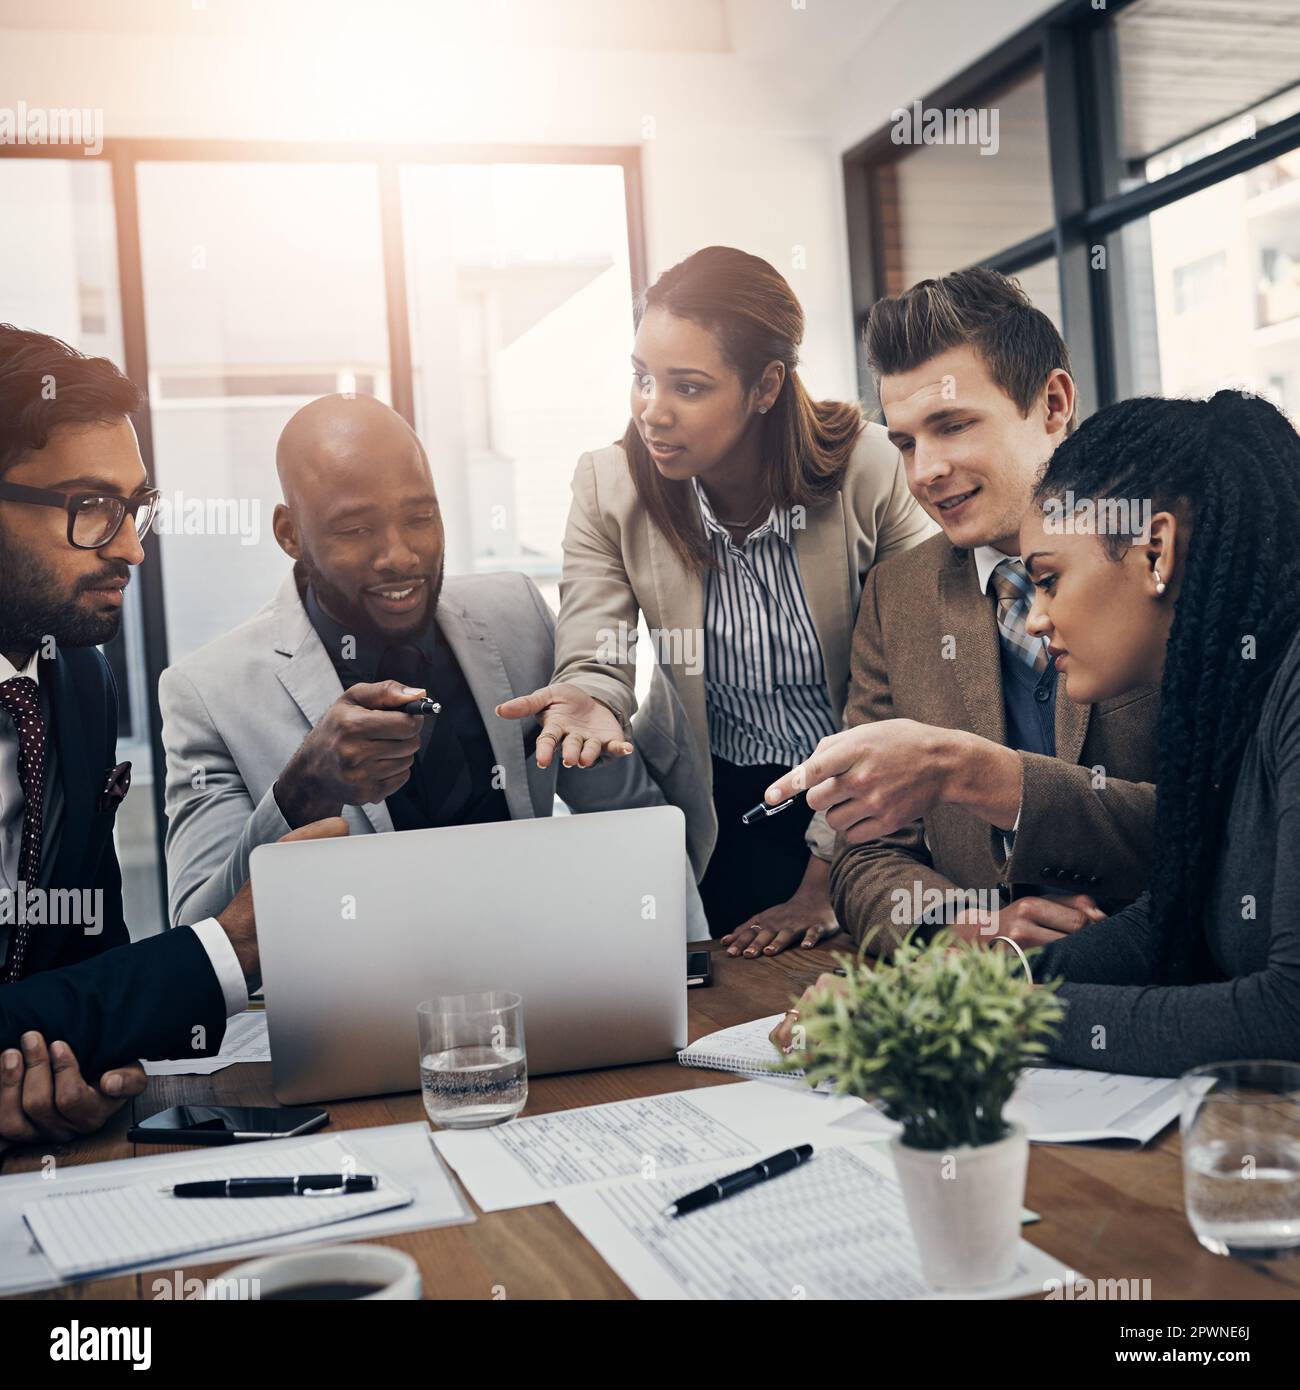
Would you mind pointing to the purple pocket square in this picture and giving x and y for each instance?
(117, 782)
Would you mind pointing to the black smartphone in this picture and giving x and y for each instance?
(226, 1124)
(699, 969)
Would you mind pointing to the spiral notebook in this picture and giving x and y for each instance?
(744, 1049)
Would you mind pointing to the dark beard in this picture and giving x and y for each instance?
(32, 609)
(352, 617)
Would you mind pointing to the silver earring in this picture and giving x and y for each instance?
(1160, 583)
(762, 410)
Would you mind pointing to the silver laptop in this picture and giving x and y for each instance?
(584, 916)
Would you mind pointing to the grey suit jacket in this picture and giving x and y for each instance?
(235, 712)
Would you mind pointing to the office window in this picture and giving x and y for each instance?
(1199, 283)
(1160, 226)
(1214, 289)
(59, 275)
(520, 303)
(1196, 76)
(264, 288)
(1042, 283)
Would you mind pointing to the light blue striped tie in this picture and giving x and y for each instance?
(1015, 592)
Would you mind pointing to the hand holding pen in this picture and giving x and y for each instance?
(360, 751)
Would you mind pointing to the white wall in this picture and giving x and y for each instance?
(741, 108)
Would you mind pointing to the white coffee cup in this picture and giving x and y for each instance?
(395, 1274)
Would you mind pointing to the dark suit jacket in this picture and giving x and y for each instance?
(110, 1005)
(925, 647)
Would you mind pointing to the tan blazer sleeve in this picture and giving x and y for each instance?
(595, 631)
(904, 522)
(1074, 835)
(866, 878)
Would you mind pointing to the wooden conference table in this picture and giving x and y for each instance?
(1107, 1213)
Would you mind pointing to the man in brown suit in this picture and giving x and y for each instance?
(960, 769)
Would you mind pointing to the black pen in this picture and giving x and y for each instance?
(305, 1185)
(425, 706)
(737, 1182)
(763, 809)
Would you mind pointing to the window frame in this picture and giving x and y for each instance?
(1074, 45)
(124, 155)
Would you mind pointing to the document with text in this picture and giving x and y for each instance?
(836, 1227)
(536, 1159)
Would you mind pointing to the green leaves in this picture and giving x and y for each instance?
(936, 1036)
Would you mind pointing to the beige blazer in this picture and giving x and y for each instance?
(618, 565)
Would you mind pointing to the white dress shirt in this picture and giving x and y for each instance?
(215, 942)
(987, 559)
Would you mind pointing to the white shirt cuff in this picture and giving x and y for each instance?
(225, 964)
(1009, 836)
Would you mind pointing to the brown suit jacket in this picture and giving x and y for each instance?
(925, 647)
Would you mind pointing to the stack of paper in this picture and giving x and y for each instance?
(539, 1158)
(95, 1230)
(401, 1155)
(246, 1040)
(836, 1227)
(1056, 1105)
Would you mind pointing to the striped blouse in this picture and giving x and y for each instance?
(764, 678)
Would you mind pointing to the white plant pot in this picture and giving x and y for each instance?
(964, 1205)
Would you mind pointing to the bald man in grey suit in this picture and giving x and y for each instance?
(299, 708)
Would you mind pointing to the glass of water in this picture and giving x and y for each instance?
(473, 1068)
(1241, 1157)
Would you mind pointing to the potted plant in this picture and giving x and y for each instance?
(936, 1037)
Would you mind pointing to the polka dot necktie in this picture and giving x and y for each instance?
(20, 698)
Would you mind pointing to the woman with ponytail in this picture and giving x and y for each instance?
(1194, 586)
(739, 517)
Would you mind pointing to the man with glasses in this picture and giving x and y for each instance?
(76, 998)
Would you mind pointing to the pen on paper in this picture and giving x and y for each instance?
(304, 1185)
(721, 1188)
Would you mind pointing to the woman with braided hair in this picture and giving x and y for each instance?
(1164, 542)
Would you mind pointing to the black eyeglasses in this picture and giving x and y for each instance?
(94, 518)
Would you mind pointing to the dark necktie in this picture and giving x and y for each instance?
(441, 783)
(404, 663)
(20, 698)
